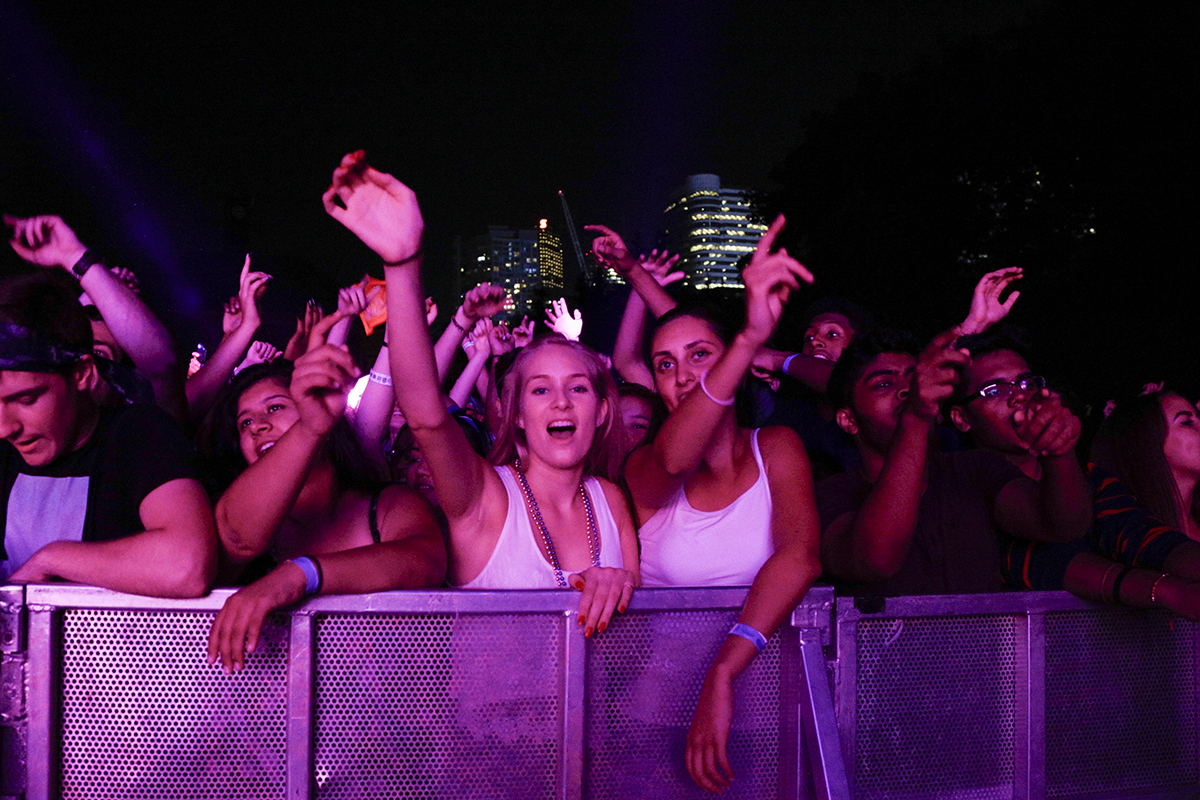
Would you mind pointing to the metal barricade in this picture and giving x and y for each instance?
(1026, 696)
(400, 695)
(497, 694)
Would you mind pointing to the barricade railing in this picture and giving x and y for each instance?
(400, 695)
(1034, 695)
(498, 694)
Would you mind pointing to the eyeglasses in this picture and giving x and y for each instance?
(1002, 390)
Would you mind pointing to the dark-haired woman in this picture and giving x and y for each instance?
(305, 500)
(720, 504)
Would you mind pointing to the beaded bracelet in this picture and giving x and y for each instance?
(746, 632)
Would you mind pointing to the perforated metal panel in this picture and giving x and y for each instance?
(1120, 702)
(439, 706)
(643, 680)
(935, 707)
(144, 716)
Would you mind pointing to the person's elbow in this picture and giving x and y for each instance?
(192, 572)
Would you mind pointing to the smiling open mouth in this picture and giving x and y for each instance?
(561, 430)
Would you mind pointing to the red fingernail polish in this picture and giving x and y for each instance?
(587, 632)
(600, 628)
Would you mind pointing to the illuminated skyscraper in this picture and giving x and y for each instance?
(507, 257)
(550, 259)
(711, 228)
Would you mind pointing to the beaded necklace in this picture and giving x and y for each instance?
(532, 506)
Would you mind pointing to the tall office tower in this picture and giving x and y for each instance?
(711, 228)
(507, 257)
(550, 258)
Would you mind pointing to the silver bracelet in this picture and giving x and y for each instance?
(382, 378)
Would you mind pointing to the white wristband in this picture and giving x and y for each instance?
(382, 378)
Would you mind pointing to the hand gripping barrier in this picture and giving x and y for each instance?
(497, 694)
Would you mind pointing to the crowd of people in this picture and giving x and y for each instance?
(693, 455)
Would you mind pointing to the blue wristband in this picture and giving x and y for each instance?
(787, 362)
(312, 573)
(746, 632)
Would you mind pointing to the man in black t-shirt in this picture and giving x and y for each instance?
(107, 498)
(913, 521)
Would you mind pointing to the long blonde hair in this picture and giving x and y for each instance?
(604, 456)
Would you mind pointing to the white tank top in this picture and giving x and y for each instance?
(685, 547)
(517, 563)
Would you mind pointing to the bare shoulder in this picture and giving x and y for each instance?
(403, 512)
(780, 444)
(617, 501)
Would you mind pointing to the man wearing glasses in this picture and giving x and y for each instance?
(916, 521)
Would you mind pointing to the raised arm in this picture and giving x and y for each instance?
(1057, 508)
(656, 472)
(478, 348)
(627, 352)
(779, 586)
(384, 214)
(986, 308)
(610, 250)
(872, 543)
(242, 325)
(352, 300)
(481, 301)
(254, 506)
(175, 556)
(47, 241)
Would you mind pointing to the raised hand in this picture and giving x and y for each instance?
(986, 308)
(1046, 426)
(126, 276)
(659, 265)
(770, 278)
(562, 321)
(939, 369)
(45, 241)
(431, 310)
(501, 339)
(323, 378)
(478, 343)
(484, 300)
(259, 353)
(352, 300)
(523, 333)
(377, 208)
(610, 250)
(231, 319)
(298, 343)
(251, 286)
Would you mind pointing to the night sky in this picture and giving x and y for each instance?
(179, 140)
